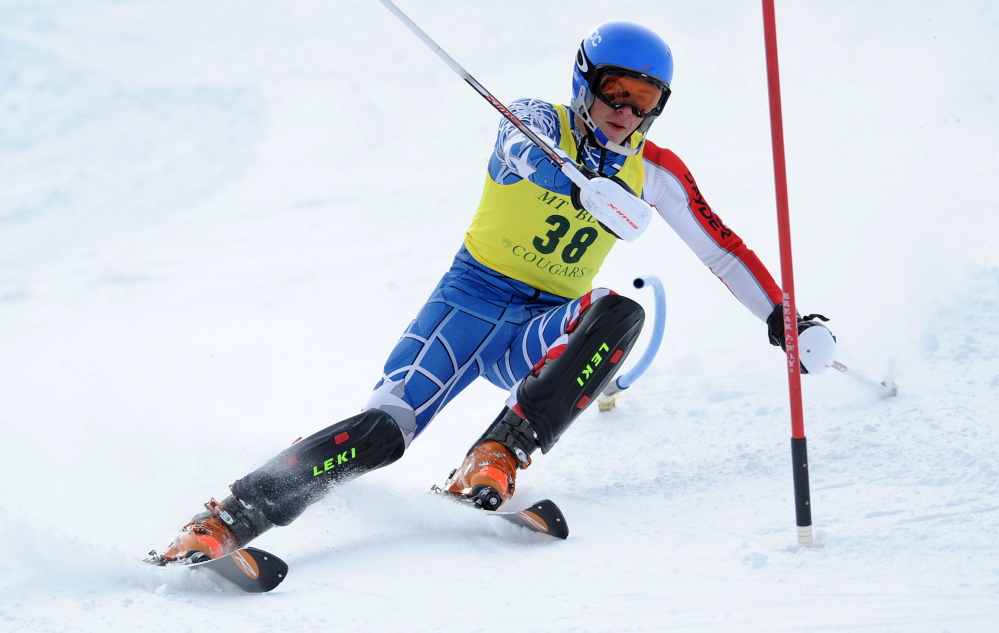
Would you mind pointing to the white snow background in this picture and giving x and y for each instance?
(217, 217)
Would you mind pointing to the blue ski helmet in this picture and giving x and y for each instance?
(620, 47)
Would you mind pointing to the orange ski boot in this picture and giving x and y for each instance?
(221, 530)
(487, 477)
(206, 533)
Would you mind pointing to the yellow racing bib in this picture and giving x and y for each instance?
(536, 236)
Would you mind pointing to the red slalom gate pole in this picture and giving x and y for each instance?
(799, 451)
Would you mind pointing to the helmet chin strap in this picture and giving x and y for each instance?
(605, 142)
(580, 106)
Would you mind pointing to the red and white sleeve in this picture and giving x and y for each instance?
(671, 189)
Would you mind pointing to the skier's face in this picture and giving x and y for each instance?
(616, 124)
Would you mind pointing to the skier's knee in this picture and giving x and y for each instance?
(387, 397)
(552, 397)
(301, 474)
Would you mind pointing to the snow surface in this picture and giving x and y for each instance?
(216, 218)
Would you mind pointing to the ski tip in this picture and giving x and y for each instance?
(260, 571)
(252, 570)
(545, 516)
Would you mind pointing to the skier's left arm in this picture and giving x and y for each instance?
(672, 190)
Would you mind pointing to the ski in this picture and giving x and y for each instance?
(543, 517)
(251, 569)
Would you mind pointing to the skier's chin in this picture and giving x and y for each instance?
(615, 133)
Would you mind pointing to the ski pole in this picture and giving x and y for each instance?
(493, 101)
(613, 217)
(886, 388)
(610, 395)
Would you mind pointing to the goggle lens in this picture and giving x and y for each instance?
(618, 91)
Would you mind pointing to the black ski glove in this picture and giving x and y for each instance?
(775, 327)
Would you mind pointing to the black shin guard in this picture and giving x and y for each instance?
(558, 393)
(285, 486)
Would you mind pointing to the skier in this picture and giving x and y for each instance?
(518, 305)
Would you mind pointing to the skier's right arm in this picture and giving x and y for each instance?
(516, 157)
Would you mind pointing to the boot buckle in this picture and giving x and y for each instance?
(219, 510)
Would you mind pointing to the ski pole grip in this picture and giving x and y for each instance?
(574, 174)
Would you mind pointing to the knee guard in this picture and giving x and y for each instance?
(552, 397)
(301, 474)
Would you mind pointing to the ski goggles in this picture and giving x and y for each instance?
(622, 90)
